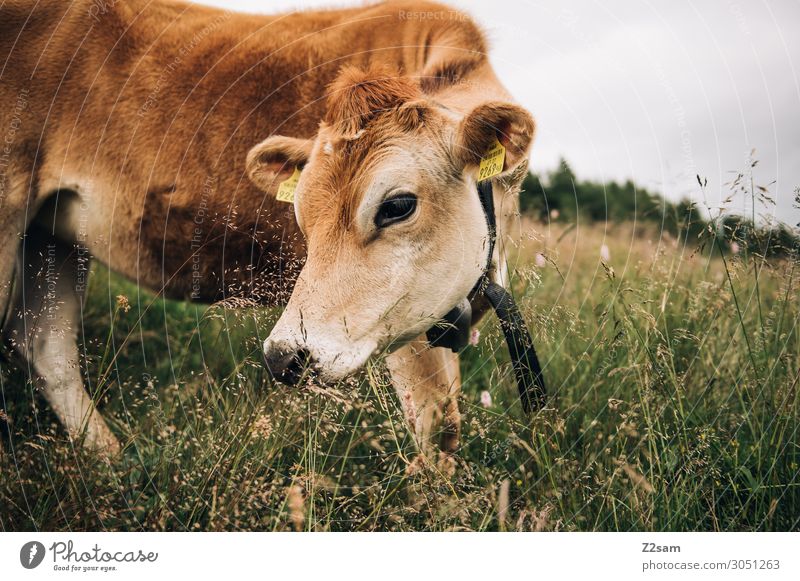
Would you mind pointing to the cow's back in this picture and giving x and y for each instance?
(152, 106)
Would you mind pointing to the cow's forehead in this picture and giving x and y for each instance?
(342, 169)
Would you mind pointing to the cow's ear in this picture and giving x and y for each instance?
(489, 123)
(274, 160)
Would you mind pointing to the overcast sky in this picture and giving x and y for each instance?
(654, 91)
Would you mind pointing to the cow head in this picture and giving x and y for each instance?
(387, 201)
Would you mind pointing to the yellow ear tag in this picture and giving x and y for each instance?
(287, 187)
(492, 162)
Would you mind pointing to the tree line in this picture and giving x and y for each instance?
(559, 196)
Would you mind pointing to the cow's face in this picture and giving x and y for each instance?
(387, 201)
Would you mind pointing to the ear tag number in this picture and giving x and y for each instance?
(287, 188)
(492, 162)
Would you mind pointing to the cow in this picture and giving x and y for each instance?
(323, 160)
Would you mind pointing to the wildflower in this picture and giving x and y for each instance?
(541, 520)
(486, 399)
(262, 427)
(502, 503)
(410, 408)
(605, 253)
(123, 304)
(474, 337)
(554, 214)
(296, 504)
(773, 504)
(637, 478)
(541, 261)
(735, 248)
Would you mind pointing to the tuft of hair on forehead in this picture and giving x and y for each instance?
(358, 96)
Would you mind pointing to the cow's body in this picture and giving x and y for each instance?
(139, 114)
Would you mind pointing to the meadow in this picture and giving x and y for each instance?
(672, 366)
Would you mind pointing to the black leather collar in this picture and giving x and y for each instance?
(453, 330)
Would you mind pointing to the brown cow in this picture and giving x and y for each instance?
(128, 135)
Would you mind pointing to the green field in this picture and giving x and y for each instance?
(673, 370)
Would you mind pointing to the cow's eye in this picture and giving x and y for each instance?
(395, 209)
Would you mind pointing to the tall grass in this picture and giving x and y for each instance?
(674, 375)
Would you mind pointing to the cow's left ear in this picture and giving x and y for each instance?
(507, 123)
(274, 160)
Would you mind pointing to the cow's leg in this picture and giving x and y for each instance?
(428, 381)
(12, 224)
(43, 329)
(8, 244)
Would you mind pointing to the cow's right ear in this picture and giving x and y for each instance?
(274, 160)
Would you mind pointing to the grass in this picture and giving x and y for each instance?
(675, 381)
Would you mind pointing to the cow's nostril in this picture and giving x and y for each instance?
(297, 364)
(286, 364)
